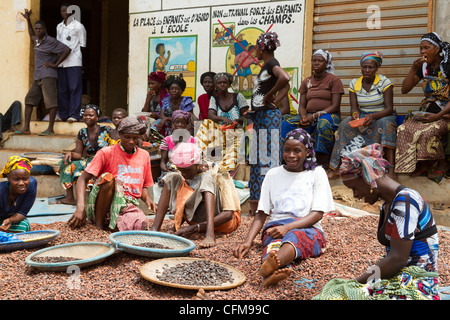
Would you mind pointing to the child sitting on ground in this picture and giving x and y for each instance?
(294, 197)
(205, 198)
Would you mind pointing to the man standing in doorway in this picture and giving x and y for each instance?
(70, 73)
(48, 54)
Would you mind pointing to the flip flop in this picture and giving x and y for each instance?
(20, 133)
(436, 176)
(46, 133)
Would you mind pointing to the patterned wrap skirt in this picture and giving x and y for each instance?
(322, 130)
(22, 226)
(420, 141)
(69, 173)
(264, 147)
(382, 131)
(411, 283)
(307, 242)
(124, 212)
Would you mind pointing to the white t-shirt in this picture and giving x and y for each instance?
(286, 194)
(74, 36)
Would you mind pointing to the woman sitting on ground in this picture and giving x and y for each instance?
(204, 198)
(17, 195)
(124, 175)
(174, 101)
(294, 196)
(372, 99)
(207, 81)
(421, 140)
(406, 228)
(319, 107)
(89, 140)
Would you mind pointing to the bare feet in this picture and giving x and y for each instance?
(208, 242)
(270, 264)
(202, 295)
(186, 232)
(333, 174)
(66, 201)
(277, 276)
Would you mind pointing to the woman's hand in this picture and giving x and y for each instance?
(151, 205)
(369, 120)
(68, 157)
(356, 115)
(417, 64)
(307, 120)
(429, 117)
(78, 219)
(150, 95)
(242, 250)
(6, 225)
(278, 232)
(226, 121)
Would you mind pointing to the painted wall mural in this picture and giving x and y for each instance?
(219, 38)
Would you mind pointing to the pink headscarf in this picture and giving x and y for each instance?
(186, 154)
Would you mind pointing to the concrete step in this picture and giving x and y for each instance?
(61, 128)
(36, 143)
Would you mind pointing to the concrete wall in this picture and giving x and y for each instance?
(441, 19)
(188, 28)
(17, 65)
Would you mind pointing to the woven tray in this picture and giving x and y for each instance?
(29, 240)
(150, 270)
(88, 253)
(125, 241)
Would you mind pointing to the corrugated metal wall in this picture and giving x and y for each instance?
(341, 27)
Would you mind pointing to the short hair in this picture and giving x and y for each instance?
(125, 113)
(42, 23)
(225, 75)
(207, 74)
(159, 45)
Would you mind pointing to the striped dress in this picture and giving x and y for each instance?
(382, 131)
(409, 218)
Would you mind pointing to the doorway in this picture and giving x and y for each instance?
(105, 58)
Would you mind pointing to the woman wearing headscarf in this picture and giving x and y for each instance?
(319, 107)
(155, 94)
(372, 99)
(17, 195)
(226, 110)
(270, 88)
(89, 140)
(180, 121)
(203, 197)
(406, 228)
(174, 101)
(421, 140)
(294, 198)
(124, 174)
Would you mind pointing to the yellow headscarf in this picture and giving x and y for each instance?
(15, 162)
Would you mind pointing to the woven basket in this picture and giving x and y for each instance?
(150, 270)
(126, 240)
(88, 253)
(29, 240)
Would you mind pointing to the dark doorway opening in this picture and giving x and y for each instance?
(105, 58)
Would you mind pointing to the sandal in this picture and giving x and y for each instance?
(436, 176)
(46, 133)
(418, 173)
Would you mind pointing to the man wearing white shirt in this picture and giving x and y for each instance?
(70, 76)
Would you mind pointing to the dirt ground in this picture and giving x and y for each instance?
(352, 247)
